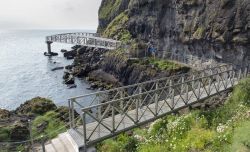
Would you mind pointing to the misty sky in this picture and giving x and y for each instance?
(49, 14)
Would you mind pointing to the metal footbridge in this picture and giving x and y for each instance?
(84, 39)
(109, 113)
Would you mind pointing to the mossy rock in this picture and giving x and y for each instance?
(36, 106)
(4, 114)
(116, 29)
(199, 33)
(51, 128)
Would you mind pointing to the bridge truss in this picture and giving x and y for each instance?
(118, 110)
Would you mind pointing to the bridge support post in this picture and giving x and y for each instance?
(49, 46)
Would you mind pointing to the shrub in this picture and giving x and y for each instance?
(123, 143)
(241, 93)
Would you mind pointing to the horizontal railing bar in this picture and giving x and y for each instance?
(146, 82)
(151, 91)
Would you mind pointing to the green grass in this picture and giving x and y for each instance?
(117, 28)
(109, 7)
(55, 126)
(241, 138)
(160, 64)
(4, 133)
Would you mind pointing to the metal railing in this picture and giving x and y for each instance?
(85, 39)
(111, 112)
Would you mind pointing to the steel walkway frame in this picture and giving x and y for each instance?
(118, 110)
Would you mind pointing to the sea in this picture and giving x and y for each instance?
(26, 73)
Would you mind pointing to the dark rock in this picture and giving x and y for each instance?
(4, 114)
(70, 54)
(70, 57)
(63, 50)
(70, 80)
(72, 86)
(42, 126)
(50, 54)
(66, 75)
(93, 86)
(19, 132)
(57, 68)
(69, 67)
(36, 106)
(76, 47)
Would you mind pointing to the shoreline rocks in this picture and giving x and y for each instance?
(57, 68)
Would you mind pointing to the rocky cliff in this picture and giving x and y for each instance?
(212, 29)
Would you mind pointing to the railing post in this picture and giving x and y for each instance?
(73, 112)
(70, 114)
(43, 144)
(137, 110)
(156, 97)
(113, 117)
(31, 137)
(171, 90)
(138, 104)
(83, 116)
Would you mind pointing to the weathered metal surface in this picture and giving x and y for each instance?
(84, 39)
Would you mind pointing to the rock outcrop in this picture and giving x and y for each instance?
(212, 29)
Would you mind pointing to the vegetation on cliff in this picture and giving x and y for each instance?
(108, 7)
(221, 129)
(116, 29)
(42, 115)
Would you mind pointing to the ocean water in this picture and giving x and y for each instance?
(26, 73)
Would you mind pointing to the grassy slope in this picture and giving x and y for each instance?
(223, 129)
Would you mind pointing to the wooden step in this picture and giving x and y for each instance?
(50, 148)
(64, 137)
(59, 146)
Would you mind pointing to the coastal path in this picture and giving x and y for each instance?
(109, 113)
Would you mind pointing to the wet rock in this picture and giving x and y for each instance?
(70, 54)
(66, 75)
(63, 50)
(69, 67)
(70, 80)
(57, 68)
(70, 57)
(72, 86)
(50, 54)
(76, 47)
(93, 86)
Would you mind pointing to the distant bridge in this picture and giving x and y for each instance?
(84, 39)
(112, 112)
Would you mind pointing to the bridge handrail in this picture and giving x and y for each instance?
(123, 114)
(146, 82)
(151, 91)
(83, 35)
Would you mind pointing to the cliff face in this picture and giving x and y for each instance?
(213, 29)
